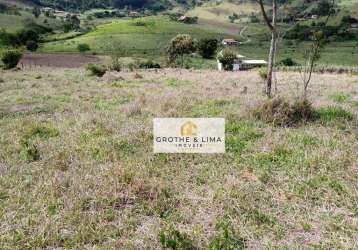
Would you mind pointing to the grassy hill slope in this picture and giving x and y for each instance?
(13, 23)
(143, 36)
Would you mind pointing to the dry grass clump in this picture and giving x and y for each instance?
(281, 112)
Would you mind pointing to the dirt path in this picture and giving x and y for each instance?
(242, 35)
(56, 60)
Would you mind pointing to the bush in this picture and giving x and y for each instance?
(31, 45)
(281, 112)
(227, 58)
(83, 47)
(115, 65)
(27, 35)
(149, 64)
(288, 62)
(97, 70)
(207, 47)
(263, 73)
(11, 58)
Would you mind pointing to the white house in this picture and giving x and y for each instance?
(241, 63)
(229, 42)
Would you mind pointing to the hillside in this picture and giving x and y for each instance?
(141, 36)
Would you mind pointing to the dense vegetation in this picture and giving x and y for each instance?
(89, 4)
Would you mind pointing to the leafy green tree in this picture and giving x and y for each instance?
(207, 47)
(32, 45)
(180, 46)
(36, 12)
(72, 22)
(227, 57)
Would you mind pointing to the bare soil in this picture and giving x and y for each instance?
(56, 60)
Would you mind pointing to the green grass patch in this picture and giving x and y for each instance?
(333, 113)
(240, 135)
(340, 97)
(151, 38)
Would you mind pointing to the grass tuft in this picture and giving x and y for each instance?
(334, 113)
(280, 112)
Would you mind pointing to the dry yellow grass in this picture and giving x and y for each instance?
(77, 168)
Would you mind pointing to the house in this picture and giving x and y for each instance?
(47, 9)
(182, 18)
(241, 63)
(60, 13)
(354, 26)
(229, 42)
(314, 17)
(134, 14)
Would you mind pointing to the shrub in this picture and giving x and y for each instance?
(149, 64)
(11, 58)
(288, 62)
(263, 73)
(138, 23)
(132, 66)
(227, 58)
(281, 112)
(83, 47)
(31, 45)
(97, 70)
(115, 65)
(207, 47)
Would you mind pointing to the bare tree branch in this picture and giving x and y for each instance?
(267, 20)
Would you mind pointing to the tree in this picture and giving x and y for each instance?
(179, 46)
(115, 50)
(72, 23)
(227, 57)
(207, 47)
(36, 12)
(313, 53)
(32, 45)
(272, 25)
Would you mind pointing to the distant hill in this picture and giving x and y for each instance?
(157, 5)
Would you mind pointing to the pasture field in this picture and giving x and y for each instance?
(13, 23)
(141, 36)
(221, 12)
(149, 37)
(77, 168)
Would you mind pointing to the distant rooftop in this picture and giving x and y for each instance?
(254, 62)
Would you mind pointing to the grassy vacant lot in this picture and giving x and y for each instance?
(77, 168)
